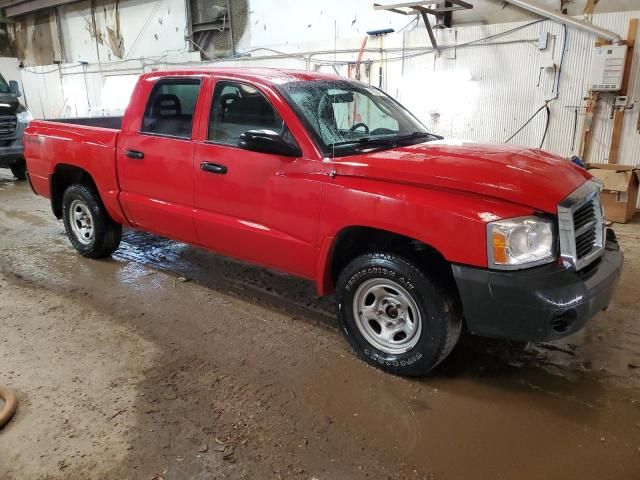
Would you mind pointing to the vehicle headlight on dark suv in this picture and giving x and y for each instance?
(521, 242)
(23, 115)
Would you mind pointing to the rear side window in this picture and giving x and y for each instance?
(170, 108)
(236, 108)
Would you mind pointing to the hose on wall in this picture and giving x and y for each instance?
(10, 404)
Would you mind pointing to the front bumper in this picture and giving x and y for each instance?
(12, 148)
(537, 304)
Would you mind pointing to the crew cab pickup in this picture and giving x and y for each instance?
(334, 181)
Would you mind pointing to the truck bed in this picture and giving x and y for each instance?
(85, 144)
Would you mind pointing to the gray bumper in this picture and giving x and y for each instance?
(538, 304)
(11, 148)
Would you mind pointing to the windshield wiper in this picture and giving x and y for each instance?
(413, 135)
(363, 140)
(392, 140)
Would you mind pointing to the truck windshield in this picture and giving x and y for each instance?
(351, 117)
(4, 86)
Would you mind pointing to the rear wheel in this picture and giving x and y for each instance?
(19, 170)
(88, 225)
(395, 316)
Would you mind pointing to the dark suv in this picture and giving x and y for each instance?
(14, 118)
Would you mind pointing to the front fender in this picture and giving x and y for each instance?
(451, 222)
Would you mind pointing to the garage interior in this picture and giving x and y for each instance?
(168, 361)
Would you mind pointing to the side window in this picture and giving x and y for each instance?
(236, 108)
(170, 108)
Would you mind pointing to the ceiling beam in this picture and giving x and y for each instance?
(14, 8)
(567, 20)
(432, 36)
(405, 5)
(462, 4)
(8, 3)
(437, 8)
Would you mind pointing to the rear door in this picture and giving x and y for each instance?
(156, 162)
(257, 206)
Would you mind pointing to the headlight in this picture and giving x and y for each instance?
(519, 242)
(24, 116)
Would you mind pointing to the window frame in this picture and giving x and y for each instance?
(172, 80)
(216, 82)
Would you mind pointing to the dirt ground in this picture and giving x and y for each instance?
(124, 370)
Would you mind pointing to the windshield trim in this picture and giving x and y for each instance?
(385, 139)
(354, 148)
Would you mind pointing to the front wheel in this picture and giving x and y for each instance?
(89, 227)
(395, 316)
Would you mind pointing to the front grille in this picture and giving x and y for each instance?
(580, 221)
(8, 125)
(584, 225)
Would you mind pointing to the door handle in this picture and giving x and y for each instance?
(213, 168)
(135, 154)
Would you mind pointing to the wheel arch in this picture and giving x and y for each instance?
(353, 241)
(63, 176)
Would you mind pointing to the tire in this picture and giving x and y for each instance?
(376, 286)
(88, 225)
(19, 170)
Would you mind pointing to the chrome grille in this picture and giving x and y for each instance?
(580, 221)
(584, 224)
(8, 125)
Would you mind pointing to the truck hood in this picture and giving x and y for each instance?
(526, 176)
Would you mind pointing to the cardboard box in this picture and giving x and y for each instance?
(620, 191)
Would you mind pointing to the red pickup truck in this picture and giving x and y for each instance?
(333, 180)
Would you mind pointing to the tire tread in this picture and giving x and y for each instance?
(108, 233)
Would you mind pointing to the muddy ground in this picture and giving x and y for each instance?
(125, 371)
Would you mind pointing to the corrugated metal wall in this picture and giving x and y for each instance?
(485, 92)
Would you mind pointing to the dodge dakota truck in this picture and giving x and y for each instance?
(14, 117)
(334, 181)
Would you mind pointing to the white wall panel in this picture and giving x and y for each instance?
(43, 91)
(9, 68)
(147, 29)
(274, 23)
(483, 92)
(291, 22)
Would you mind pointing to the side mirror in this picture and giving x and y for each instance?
(15, 88)
(267, 141)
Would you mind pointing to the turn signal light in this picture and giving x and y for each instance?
(499, 240)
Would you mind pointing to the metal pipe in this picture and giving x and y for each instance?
(567, 20)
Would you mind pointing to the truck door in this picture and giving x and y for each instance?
(256, 206)
(156, 163)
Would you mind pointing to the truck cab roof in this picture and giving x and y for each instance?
(255, 74)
